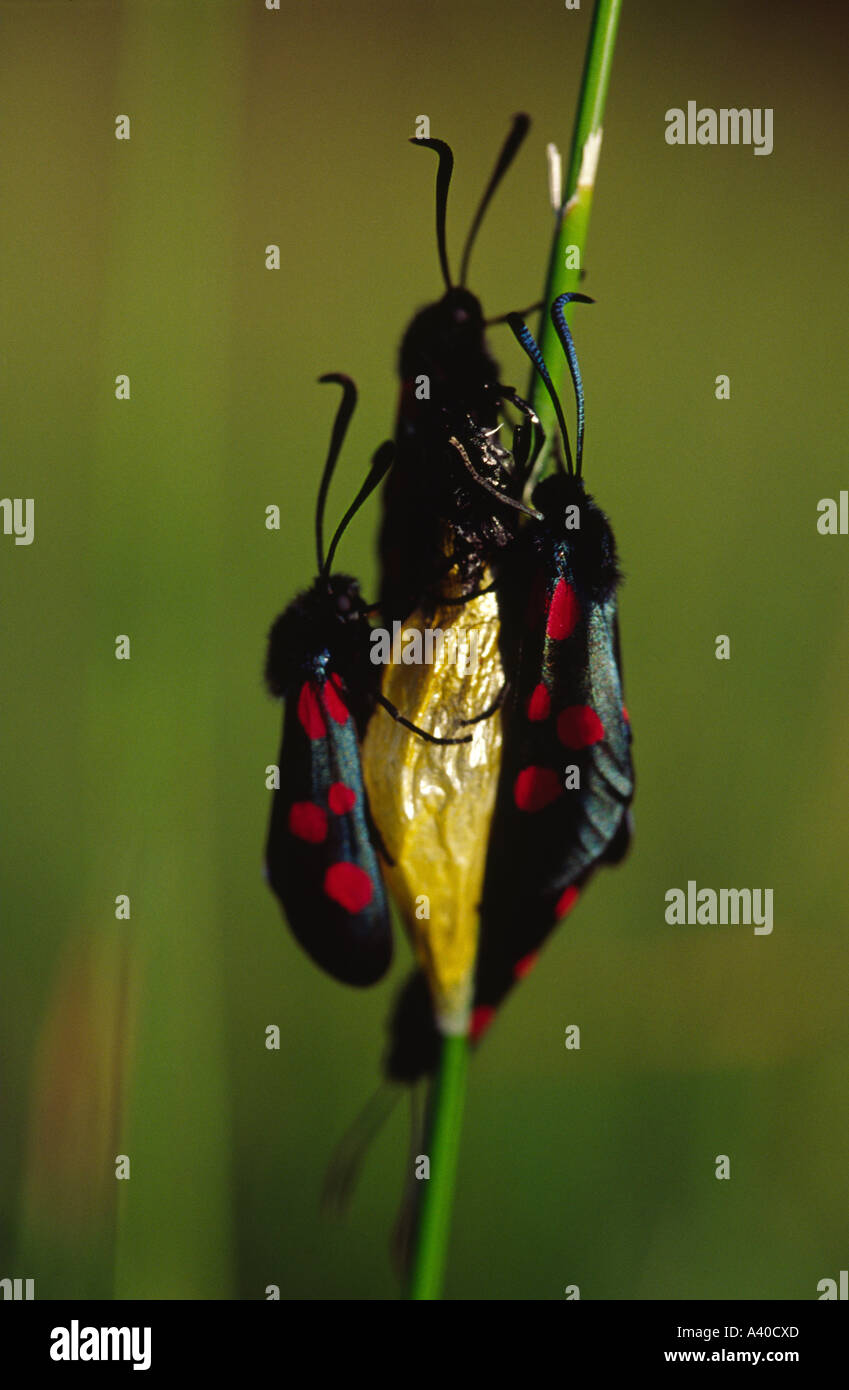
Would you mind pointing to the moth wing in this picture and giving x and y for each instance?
(320, 854)
(592, 822)
(567, 722)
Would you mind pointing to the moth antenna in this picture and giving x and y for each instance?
(344, 1168)
(528, 343)
(443, 183)
(484, 483)
(518, 131)
(347, 406)
(523, 313)
(558, 318)
(381, 463)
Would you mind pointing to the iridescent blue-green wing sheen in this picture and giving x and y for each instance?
(567, 778)
(320, 853)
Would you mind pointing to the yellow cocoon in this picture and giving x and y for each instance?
(433, 803)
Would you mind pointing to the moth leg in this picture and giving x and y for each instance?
(414, 728)
(490, 710)
(531, 309)
(379, 841)
(477, 593)
(528, 462)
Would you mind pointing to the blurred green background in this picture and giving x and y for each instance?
(146, 777)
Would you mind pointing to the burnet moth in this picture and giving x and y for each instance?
(451, 510)
(566, 779)
(320, 853)
(451, 502)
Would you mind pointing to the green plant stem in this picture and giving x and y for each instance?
(572, 220)
(443, 1148)
(571, 225)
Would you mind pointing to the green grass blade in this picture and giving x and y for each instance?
(572, 222)
(443, 1146)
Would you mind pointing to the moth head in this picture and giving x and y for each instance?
(573, 519)
(444, 336)
(345, 602)
(327, 617)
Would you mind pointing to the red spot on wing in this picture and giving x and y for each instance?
(340, 798)
(349, 886)
(539, 704)
(535, 788)
(525, 965)
(482, 1016)
(625, 715)
(336, 708)
(564, 612)
(578, 726)
(308, 822)
(310, 712)
(565, 902)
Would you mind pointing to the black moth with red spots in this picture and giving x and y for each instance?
(320, 855)
(566, 780)
(450, 397)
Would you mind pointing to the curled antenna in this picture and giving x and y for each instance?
(518, 131)
(443, 183)
(381, 463)
(528, 343)
(558, 318)
(347, 406)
